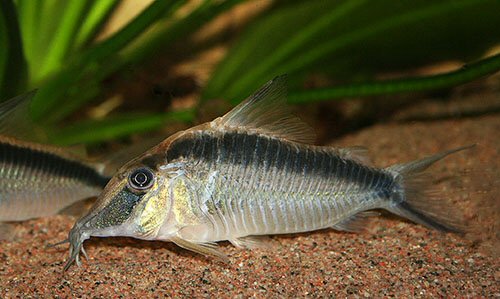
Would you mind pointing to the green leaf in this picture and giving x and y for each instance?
(97, 15)
(465, 74)
(295, 42)
(395, 34)
(63, 37)
(92, 131)
(29, 17)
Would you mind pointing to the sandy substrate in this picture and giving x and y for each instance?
(393, 258)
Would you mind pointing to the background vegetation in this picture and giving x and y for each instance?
(330, 50)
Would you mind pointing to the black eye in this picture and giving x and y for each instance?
(141, 179)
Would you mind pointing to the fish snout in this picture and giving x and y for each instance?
(76, 238)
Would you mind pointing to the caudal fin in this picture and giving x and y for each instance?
(412, 198)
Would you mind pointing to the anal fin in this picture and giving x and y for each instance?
(356, 223)
(207, 249)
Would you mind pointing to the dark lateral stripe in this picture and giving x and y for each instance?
(50, 163)
(248, 149)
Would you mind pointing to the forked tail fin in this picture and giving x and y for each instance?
(412, 198)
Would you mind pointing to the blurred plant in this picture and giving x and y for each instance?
(347, 41)
(49, 45)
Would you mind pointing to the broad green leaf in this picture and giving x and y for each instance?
(444, 30)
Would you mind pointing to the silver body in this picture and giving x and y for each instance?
(39, 180)
(302, 188)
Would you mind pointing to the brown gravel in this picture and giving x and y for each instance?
(395, 258)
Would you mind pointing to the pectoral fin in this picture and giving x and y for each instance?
(207, 249)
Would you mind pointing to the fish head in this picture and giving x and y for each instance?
(135, 203)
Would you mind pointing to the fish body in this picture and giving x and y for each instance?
(234, 184)
(40, 180)
(253, 172)
(37, 179)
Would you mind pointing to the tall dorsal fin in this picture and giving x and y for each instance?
(15, 119)
(266, 112)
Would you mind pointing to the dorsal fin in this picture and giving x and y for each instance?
(15, 119)
(356, 153)
(266, 112)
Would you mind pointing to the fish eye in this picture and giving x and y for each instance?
(141, 179)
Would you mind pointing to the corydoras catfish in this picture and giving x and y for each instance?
(37, 179)
(249, 173)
